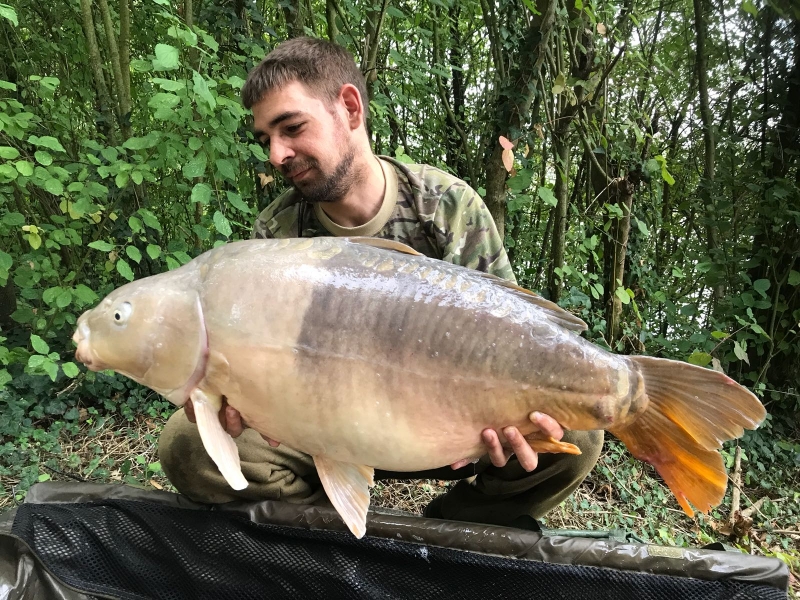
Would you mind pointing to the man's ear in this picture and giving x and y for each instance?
(351, 100)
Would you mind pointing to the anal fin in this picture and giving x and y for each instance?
(347, 486)
(217, 442)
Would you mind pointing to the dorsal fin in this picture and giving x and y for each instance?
(383, 243)
(563, 317)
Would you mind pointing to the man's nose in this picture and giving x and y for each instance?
(279, 152)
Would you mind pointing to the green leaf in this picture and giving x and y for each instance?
(237, 202)
(794, 277)
(133, 253)
(5, 377)
(24, 168)
(135, 225)
(201, 192)
(201, 89)
(8, 153)
(6, 85)
(225, 168)
(167, 57)
(164, 100)
(749, 7)
(258, 152)
(183, 257)
(642, 227)
(761, 286)
(700, 359)
(137, 177)
(47, 141)
(719, 335)
(153, 251)
(622, 294)
(9, 13)
(39, 344)
(546, 194)
(222, 224)
(124, 269)
(168, 84)
(34, 240)
(122, 179)
(64, 299)
(560, 84)
(85, 294)
(14, 219)
(740, 351)
(195, 167)
(7, 172)
(150, 219)
(5, 261)
(102, 246)
(36, 361)
(50, 368)
(54, 186)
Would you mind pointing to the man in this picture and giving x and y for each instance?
(309, 111)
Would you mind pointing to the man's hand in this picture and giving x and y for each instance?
(527, 457)
(229, 418)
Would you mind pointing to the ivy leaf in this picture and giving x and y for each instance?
(222, 224)
(39, 344)
(124, 269)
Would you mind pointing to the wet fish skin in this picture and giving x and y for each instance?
(374, 357)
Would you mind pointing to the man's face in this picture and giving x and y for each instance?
(309, 142)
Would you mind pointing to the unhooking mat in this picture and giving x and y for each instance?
(76, 541)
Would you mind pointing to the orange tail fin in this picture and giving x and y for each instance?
(691, 412)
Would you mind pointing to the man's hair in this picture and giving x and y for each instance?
(323, 67)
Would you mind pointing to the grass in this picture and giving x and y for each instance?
(620, 493)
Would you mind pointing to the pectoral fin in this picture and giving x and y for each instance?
(347, 486)
(217, 442)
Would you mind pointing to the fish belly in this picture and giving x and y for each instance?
(397, 362)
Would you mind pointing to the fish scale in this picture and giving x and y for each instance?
(364, 354)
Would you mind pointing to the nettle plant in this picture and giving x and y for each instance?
(80, 216)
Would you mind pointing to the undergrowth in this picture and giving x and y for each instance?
(70, 435)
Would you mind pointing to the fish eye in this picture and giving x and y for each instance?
(122, 313)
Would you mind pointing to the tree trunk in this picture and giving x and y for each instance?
(515, 99)
(330, 16)
(103, 97)
(616, 252)
(707, 185)
(8, 304)
(561, 151)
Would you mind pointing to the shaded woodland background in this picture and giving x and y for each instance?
(640, 158)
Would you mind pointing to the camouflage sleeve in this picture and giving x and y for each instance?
(471, 237)
(260, 229)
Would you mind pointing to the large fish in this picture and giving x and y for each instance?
(365, 354)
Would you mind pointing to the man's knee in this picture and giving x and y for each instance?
(577, 467)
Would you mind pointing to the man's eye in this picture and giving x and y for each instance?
(294, 128)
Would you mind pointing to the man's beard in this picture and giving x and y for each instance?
(331, 188)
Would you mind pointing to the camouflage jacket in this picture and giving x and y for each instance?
(423, 207)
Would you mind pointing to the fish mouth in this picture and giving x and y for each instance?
(83, 352)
